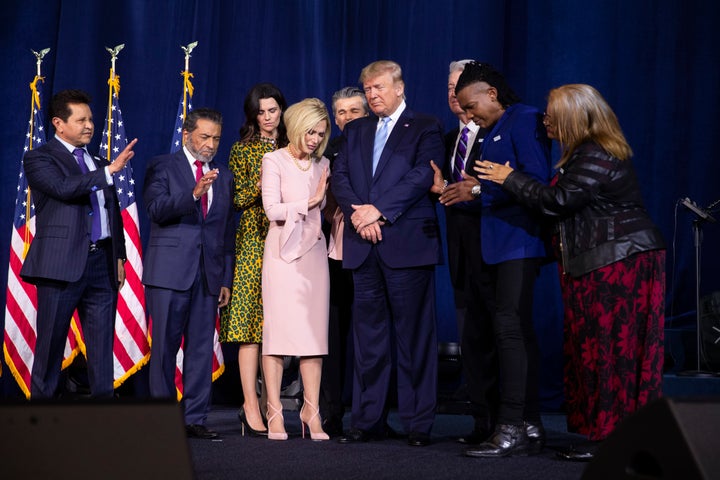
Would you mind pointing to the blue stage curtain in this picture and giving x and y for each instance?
(654, 60)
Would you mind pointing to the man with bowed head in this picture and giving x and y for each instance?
(381, 181)
(188, 262)
(76, 258)
(348, 103)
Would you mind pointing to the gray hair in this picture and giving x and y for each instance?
(349, 92)
(459, 65)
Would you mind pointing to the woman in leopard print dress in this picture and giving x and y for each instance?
(242, 320)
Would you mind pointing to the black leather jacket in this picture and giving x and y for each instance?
(598, 206)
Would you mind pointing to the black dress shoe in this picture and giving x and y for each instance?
(199, 431)
(355, 435)
(416, 439)
(580, 453)
(536, 436)
(506, 440)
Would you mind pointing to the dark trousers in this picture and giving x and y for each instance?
(474, 283)
(399, 302)
(188, 314)
(95, 298)
(335, 366)
(515, 339)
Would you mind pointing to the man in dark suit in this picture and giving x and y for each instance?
(470, 276)
(348, 103)
(76, 258)
(391, 243)
(187, 270)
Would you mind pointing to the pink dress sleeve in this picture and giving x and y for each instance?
(286, 205)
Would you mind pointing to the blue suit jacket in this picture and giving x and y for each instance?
(510, 231)
(399, 189)
(61, 195)
(179, 236)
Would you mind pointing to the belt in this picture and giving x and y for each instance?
(100, 244)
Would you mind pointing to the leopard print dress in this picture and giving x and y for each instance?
(242, 319)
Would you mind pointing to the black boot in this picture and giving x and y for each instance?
(506, 440)
(536, 436)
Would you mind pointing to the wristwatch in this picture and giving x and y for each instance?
(476, 190)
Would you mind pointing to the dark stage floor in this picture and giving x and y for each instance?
(234, 456)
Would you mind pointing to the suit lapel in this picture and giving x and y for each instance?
(64, 155)
(217, 191)
(367, 141)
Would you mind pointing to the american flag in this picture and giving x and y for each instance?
(184, 106)
(21, 298)
(131, 349)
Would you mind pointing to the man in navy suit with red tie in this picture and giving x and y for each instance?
(76, 258)
(391, 243)
(188, 264)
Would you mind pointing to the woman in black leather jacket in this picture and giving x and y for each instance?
(612, 263)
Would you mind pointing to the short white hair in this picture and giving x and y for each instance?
(459, 65)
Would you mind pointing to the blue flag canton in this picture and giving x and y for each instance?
(176, 143)
(34, 138)
(123, 180)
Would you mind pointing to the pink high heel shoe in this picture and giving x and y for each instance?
(316, 436)
(275, 412)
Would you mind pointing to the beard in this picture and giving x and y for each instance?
(204, 156)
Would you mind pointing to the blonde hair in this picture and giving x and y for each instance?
(380, 67)
(580, 114)
(301, 117)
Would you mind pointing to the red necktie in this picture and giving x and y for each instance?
(198, 176)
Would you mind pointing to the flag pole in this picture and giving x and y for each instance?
(113, 86)
(187, 85)
(35, 97)
(34, 103)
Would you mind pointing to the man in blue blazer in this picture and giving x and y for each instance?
(471, 277)
(391, 243)
(512, 250)
(76, 258)
(188, 264)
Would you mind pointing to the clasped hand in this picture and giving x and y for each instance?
(366, 221)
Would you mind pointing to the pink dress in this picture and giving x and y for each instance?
(295, 278)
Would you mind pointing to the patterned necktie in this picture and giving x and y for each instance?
(198, 176)
(96, 228)
(459, 165)
(380, 139)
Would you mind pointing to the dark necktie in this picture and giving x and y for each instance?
(198, 176)
(96, 229)
(459, 164)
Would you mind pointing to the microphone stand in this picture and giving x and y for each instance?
(702, 215)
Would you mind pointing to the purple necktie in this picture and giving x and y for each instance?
(96, 229)
(459, 165)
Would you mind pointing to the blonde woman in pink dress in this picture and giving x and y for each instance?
(295, 278)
